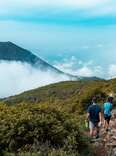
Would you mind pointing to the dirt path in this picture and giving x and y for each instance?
(106, 145)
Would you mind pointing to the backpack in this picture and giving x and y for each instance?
(107, 108)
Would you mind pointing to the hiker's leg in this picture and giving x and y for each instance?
(91, 127)
(107, 125)
(96, 132)
(109, 118)
(108, 122)
(91, 132)
(104, 124)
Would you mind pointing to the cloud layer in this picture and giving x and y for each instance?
(74, 3)
(57, 11)
(16, 77)
(87, 69)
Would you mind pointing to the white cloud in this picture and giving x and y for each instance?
(16, 77)
(79, 67)
(85, 71)
(92, 7)
(112, 71)
(30, 3)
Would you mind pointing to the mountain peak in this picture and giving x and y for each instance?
(9, 44)
(11, 52)
(6, 43)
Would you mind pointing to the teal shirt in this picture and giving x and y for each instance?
(107, 108)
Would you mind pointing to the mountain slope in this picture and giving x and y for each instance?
(67, 93)
(36, 112)
(11, 52)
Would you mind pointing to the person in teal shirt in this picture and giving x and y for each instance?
(107, 108)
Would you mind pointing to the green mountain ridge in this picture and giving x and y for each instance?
(66, 92)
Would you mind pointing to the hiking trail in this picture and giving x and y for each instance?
(106, 144)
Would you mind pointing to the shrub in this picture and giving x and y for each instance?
(38, 128)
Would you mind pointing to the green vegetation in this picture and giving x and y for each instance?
(67, 93)
(49, 121)
(41, 129)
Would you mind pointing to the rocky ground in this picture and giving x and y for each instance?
(106, 144)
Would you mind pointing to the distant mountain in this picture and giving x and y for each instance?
(11, 52)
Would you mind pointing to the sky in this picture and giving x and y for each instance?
(76, 36)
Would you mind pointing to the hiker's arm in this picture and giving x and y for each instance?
(88, 116)
(88, 113)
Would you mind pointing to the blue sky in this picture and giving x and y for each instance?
(77, 36)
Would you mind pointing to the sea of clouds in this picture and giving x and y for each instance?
(16, 77)
(78, 67)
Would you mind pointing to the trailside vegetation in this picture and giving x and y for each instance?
(40, 129)
(49, 121)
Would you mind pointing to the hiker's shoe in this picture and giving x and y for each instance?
(93, 140)
(97, 136)
(108, 130)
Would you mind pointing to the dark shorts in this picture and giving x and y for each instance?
(107, 117)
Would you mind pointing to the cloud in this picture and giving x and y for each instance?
(16, 77)
(112, 71)
(79, 67)
(55, 10)
(85, 71)
(74, 3)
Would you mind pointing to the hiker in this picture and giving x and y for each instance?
(107, 108)
(95, 118)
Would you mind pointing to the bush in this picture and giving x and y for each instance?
(38, 128)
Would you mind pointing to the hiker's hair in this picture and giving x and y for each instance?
(110, 99)
(94, 99)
